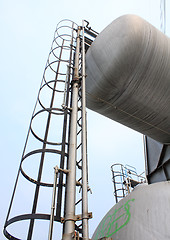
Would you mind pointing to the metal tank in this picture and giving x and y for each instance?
(128, 76)
(140, 215)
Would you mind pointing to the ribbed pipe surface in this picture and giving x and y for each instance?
(128, 76)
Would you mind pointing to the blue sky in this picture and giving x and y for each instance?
(27, 29)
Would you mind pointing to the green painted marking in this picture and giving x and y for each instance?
(113, 223)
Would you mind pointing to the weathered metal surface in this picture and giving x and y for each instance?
(143, 214)
(128, 76)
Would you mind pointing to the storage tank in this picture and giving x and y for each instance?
(142, 214)
(128, 76)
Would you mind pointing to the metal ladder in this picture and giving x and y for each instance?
(125, 178)
(64, 77)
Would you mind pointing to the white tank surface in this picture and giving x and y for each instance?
(128, 76)
(143, 214)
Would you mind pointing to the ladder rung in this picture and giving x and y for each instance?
(79, 132)
(78, 201)
(79, 145)
(79, 161)
(78, 228)
(79, 167)
(79, 225)
(78, 183)
(79, 123)
(80, 179)
(79, 119)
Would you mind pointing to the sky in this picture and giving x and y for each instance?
(27, 29)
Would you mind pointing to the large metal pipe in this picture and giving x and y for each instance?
(69, 226)
(128, 76)
(85, 232)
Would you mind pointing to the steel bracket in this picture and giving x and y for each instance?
(77, 217)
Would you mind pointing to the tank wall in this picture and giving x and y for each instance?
(140, 215)
(128, 76)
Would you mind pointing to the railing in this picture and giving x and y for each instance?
(125, 178)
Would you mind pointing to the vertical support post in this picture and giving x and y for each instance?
(69, 226)
(163, 16)
(124, 180)
(114, 183)
(65, 104)
(53, 203)
(84, 148)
